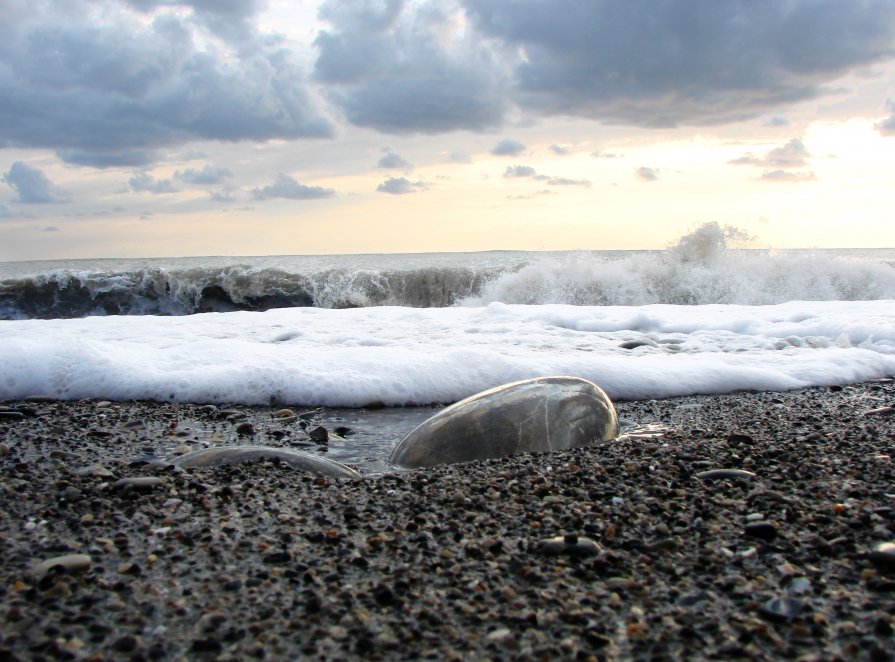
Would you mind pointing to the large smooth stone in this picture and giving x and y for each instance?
(214, 457)
(545, 414)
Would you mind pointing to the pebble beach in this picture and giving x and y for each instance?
(748, 526)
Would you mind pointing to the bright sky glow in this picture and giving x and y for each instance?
(186, 127)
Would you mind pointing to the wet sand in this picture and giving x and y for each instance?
(658, 557)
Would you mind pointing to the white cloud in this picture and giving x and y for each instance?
(102, 86)
(647, 174)
(146, 183)
(508, 147)
(392, 161)
(398, 186)
(287, 187)
(787, 176)
(32, 186)
(527, 172)
(207, 175)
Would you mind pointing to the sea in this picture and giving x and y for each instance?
(360, 331)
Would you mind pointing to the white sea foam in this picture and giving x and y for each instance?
(405, 356)
(702, 268)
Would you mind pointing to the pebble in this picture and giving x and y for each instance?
(762, 530)
(569, 544)
(781, 609)
(880, 411)
(11, 415)
(69, 562)
(319, 434)
(96, 470)
(245, 428)
(883, 556)
(721, 474)
(137, 484)
(284, 413)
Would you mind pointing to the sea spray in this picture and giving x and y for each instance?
(705, 266)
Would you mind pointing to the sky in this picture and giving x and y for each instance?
(141, 128)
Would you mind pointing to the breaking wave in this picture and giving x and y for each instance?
(704, 267)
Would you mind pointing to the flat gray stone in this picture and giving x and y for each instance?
(215, 457)
(535, 415)
(69, 562)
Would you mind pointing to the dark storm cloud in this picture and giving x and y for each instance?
(407, 70)
(508, 147)
(104, 87)
(32, 186)
(402, 67)
(228, 19)
(663, 63)
(287, 187)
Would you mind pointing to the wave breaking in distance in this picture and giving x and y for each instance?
(700, 269)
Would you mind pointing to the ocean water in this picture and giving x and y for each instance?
(408, 330)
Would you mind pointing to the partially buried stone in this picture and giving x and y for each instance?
(570, 545)
(213, 457)
(68, 562)
(883, 556)
(721, 474)
(137, 484)
(761, 530)
(781, 609)
(536, 415)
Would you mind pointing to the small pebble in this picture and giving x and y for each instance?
(762, 530)
(137, 484)
(319, 434)
(245, 428)
(721, 474)
(569, 544)
(781, 609)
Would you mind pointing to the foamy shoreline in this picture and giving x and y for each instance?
(262, 561)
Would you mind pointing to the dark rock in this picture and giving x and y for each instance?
(245, 429)
(319, 434)
(883, 557)
(125, 644)
(138, 484)
(762, 530)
